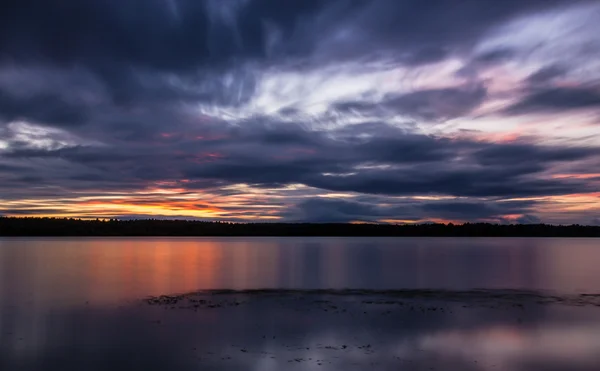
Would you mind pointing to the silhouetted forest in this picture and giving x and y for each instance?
(155, 227)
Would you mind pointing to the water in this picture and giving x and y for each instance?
(73, 304)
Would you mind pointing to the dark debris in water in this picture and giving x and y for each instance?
(400, 299)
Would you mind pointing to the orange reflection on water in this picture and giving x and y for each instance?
(159, 267)
(109, 270)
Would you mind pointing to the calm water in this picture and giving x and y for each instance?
(77, 304)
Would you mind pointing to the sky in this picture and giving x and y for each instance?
(390, 111)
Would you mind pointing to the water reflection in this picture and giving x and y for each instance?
(69, 271)
(307, 332)
(72, 304)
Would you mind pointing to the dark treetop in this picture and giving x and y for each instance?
(154, 227)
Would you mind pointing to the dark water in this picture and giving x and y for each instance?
(78, 304)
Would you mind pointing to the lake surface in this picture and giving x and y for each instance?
(340, 303)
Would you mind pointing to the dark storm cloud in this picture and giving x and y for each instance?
(511, 153)
(11, 168)
(370, 158)
(334, 211)
(46, 108)
(387, 161)
(183, 34)
(428, 104)
(440, 103)
(164, 53)
(546, 74)
(494, 56)
(444, 180)
(529, 219)
(483, 60)
(348, 210)
(557, 99)
(425, 56)
(410, 28)
(469, 210)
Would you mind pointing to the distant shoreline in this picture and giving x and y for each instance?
(61, 227)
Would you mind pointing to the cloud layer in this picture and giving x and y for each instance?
(319, 110)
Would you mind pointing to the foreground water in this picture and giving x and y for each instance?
(328, 304)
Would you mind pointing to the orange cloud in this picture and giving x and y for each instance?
(577, 176)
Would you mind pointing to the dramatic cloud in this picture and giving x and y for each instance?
(328, 110)
(402, 210)
(428, 104)
(546, 74)
(557, 99)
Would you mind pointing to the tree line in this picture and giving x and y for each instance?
(10, 226)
